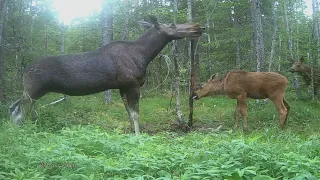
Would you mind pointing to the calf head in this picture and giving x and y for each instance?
(173, 31)
(297, 66)
(211, 88)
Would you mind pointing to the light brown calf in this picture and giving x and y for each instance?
(241, 85)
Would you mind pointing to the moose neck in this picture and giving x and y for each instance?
(151, 43)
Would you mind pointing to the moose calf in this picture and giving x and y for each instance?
(241, 85)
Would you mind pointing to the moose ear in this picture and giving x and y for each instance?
(145, 24)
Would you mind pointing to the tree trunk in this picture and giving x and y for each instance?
(3, 7)
(316, 16)
(63, 36)
(125, 35)
(177, 72)
(192, 47)
(258, 37)
(290, 47)
(274, 36)
(237, 40)
(107, 35)
(316, 34)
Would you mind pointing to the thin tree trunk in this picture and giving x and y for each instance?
(107, 35)
(192, 67)
(316, 34)
(125, 35)
(237, 40)
(63, 36)
(177, 72)
(290, 47)
(258, 37)
(274, 36)
(3, 7)
(279, 58)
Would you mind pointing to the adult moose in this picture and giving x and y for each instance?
(241, 85)
(305, 71)
(118, 65)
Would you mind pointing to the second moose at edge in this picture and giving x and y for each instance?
(242, 85)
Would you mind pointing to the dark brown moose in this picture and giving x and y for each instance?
(305, 71)
(118, 65)
(241, 85)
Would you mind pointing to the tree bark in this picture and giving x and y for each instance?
(237, 40)
(192, 66)
(274, 36)
(316, 34)
(107, 35)
(290, 47)
(125, 35)
(3, 7)
(258, 37)
(177, 71)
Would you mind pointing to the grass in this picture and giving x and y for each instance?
(83, 138)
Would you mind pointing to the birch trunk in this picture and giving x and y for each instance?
(192, 67)
(290, 47)
(3, 7)
(316, 34)
(125, 35)
(258, 37)
(107, 35)
(274, 36)
(177, 72)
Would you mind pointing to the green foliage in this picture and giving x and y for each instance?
(83, 138)
(87, 152)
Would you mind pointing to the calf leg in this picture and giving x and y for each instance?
(279, 103)
(236, 116)
(288, 109)
(130, 99)
(242, 104)
(243, 111)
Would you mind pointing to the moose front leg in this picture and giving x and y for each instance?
(130, 99)
(242, 105)
(236, 116)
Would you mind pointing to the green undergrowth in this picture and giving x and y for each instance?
(88, 152)
(83, 138)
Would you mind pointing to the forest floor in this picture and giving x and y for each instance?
(83, 138)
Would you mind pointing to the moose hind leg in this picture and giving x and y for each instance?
(288, 109)
(131, 101)
(236, 116)
(280, 106)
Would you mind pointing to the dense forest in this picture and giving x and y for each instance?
(89, 137)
